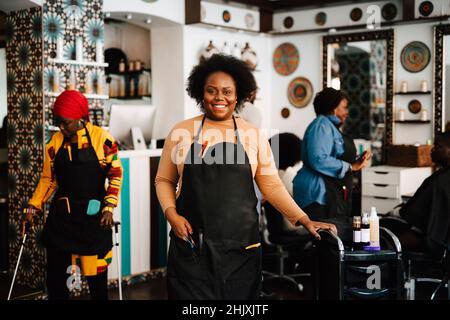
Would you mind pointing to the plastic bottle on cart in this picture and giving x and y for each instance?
(374, 230)
(365, 230)
(356, 232)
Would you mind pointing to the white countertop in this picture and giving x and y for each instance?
(140, 153)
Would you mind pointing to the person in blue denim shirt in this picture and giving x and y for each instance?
(323, 186)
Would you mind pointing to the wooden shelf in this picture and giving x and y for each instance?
(131, 97)
(75, 62)
(412, 121)
(55, 128)
(129, 73)
(89, 96)
(413, 92)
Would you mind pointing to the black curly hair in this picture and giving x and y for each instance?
(289, 149)
(237, 69)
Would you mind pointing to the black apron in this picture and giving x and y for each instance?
(79, 180)
(219, 201)
(339, 191)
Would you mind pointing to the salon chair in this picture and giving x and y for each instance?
(281, 244)
(418, 264)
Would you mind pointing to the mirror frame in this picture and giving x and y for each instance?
(439, 32)
(387, 35)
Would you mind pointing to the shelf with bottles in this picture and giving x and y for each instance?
(129, 84)
(87, 95)
(51, 128)
(415, 121)
(130, 73)
(413, 93)
(76, 62)
(144, 97)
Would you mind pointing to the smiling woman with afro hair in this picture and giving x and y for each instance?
(238, 70)
(205, 185)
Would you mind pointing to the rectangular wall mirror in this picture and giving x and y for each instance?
(361, 65)
(441, 78)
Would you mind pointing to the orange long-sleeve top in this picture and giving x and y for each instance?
(168, 180)
(107, 153)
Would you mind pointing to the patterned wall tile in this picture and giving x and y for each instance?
(25, 148)
(71, 19)
(31, 37)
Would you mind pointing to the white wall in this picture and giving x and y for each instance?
(335, 16)
(167, 78)
(212, 13)
(310, 66)
(133, 40)
(440, 7)
(172, 10)
(407, 133)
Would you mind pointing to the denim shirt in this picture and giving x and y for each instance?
(322, 145)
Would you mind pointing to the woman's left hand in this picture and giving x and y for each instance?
(314, 226)
(107, 218)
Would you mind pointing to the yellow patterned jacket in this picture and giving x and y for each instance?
(107, 154)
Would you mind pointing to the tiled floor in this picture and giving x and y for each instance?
(155, 289)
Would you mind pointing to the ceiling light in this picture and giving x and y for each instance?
(148, 21)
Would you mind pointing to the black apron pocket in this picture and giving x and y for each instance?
(241, 270)
(186, 262)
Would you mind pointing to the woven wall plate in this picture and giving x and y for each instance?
(415, 56)
(288, 22)
(249, 20)
(300, 92)
(414, 106)
(285, 113)
(285, 59)
(321, 18)
(426, 8)
(389, 11)
(356, 14)
(226, 16)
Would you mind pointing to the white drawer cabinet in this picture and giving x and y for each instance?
(383, 205)
(381, 190)
(384, 186)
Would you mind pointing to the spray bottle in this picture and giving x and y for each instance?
(374, 231)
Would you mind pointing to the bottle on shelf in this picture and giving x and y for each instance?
(424, 85)
(100, 84)
(138, 65)
(60, 48)
(226, 49)
(55, 80)
(99, 51)
(132, 87)
(122, 87)
(356, 232)
(404, 86)
(401, 115)
(365, 230)
(236, 51)
(79, 49)
(122, 66)
(72, 85)
(424, 115)
(88, 84)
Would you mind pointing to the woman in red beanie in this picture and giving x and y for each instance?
(77, 233)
